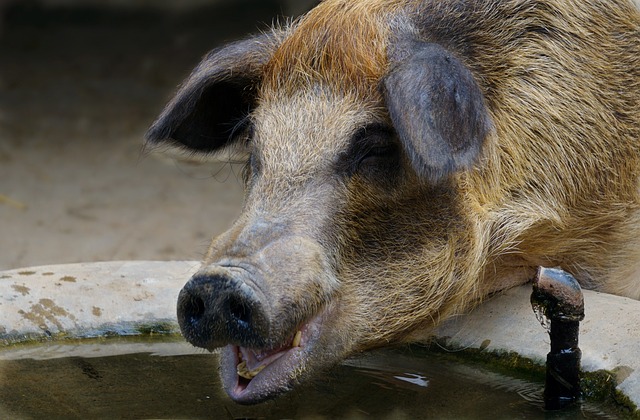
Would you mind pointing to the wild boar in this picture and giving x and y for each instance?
(405, 160)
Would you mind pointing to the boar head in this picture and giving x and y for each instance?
(353, 233)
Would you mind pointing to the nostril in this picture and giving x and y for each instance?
(240, 311)
(193, 309)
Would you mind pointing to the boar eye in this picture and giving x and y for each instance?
(373, 149)
(379, 154)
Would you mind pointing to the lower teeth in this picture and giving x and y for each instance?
(246, 373)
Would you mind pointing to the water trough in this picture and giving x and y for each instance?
(77, 301)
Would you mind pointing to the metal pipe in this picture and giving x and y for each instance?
(557, 298)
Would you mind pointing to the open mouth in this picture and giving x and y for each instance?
(251, 362)
(250, 376)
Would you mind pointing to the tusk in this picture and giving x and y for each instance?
(296, 339)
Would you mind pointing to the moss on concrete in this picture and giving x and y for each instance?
(598, 387)
(153, 328)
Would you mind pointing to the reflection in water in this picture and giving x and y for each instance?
(413, 378)
(407, 383)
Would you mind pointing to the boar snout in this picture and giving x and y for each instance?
(215, 309)
(264, 298)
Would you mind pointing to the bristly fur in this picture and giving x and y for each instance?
(523, 199)
(341, 43)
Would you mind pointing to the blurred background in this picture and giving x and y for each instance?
(80, 82)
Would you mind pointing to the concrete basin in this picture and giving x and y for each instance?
(138, 297)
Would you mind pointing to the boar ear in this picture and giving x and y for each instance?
(437, 109)
(204, 114)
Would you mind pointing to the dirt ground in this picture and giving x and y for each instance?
(78, 88)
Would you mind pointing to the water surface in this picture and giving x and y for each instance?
(156, 381)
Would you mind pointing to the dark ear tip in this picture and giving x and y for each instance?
(155, 134)
(164, 128)
(219, 92)
(151, 136)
